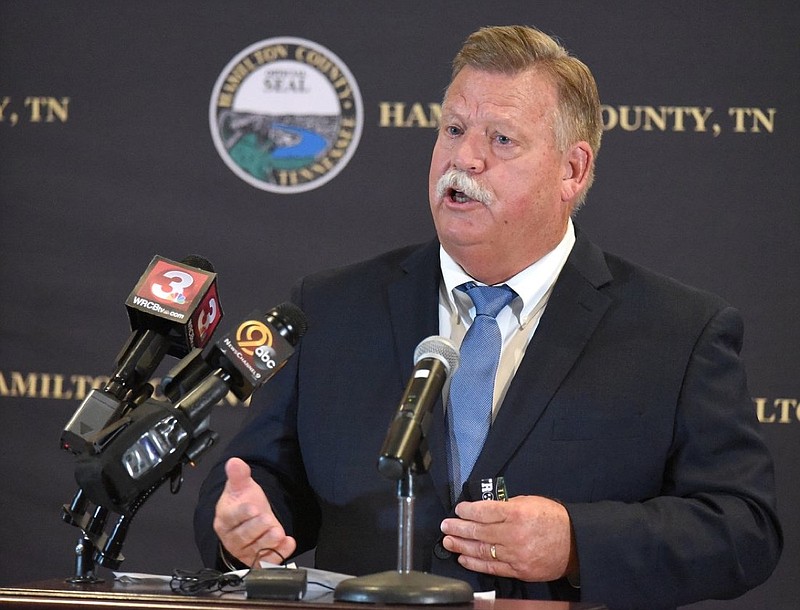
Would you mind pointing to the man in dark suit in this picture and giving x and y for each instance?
(620, 416)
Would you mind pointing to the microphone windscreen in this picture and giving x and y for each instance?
(440, 348)
(198, 262)
(290, 321)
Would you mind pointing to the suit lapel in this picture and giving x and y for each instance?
(413, 304)
(414, 312)
(572, 314)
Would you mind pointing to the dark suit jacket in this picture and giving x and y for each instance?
(630, 407)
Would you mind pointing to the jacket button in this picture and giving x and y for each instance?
(440, 552)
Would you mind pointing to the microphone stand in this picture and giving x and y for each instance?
(405, 586)
(95, 547)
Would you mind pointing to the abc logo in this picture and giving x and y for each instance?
(264, 358)
(255, 339)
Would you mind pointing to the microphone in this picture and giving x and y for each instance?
(173, 309)
(404, 453)
(405, 445)
(252, 353)
(152, 442)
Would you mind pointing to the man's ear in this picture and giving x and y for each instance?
(577, 165)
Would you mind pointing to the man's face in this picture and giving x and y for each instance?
(498, 130)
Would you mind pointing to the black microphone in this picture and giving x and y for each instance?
(153, 441)
(405, 445)
(173, 309)
(254, 351)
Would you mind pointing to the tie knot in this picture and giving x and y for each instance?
(488, 300)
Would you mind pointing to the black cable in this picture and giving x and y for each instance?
(206, 580)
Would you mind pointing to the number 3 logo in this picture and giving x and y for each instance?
(206, 318)
(174, 291)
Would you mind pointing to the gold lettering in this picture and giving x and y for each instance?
(225, 100)
(35, 105)
(700, 119)
(393, 114)
(435, 115)
(323, 165)
(236, 75)
(58, 389)
(47, 109)
(82, 385)
(345, 137)
(609, 116)
(624, 118)
(781, 411)
(44, 386)
(56, 109)
(34, 385)
(312, 58)
(761, 404)
(334, 73)
(20, 385)
(417, 117)
(327, 67)
(245, 67)
(759, 119)
(53, 386)
(3, 103)
(651, 118)
(23, 386)
(287, 178)
(267, 54)
(345, 93)
(786, 405)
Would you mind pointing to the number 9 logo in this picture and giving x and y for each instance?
(251, 335)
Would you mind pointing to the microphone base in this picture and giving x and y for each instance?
(408, 588)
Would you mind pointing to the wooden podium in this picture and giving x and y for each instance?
(58, 594)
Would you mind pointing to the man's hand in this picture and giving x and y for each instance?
(531, 536)
(244, 521)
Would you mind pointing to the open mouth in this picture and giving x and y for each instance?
(458, 196)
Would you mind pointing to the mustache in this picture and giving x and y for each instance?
(463, 182)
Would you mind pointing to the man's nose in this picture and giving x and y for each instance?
(469, 153)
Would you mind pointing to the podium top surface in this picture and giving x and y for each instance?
(58, 593)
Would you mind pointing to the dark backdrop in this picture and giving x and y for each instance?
(107, 158)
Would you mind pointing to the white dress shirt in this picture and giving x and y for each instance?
(517, 322)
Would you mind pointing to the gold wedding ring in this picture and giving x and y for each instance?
(493, 552)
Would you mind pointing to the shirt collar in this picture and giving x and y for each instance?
(532, 284)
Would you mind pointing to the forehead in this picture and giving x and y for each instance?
(482, 94)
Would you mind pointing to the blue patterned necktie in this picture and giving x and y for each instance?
(472, 385)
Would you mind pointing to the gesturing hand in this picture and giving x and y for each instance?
(528, 538)
(244, 521)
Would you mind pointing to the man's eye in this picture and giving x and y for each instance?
(452, 130)
(501, 139)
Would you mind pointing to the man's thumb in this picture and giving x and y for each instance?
(238, 473)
